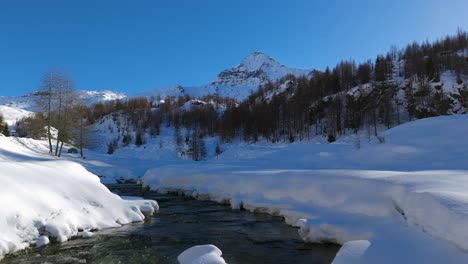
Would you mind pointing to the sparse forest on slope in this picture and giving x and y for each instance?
(419, 81)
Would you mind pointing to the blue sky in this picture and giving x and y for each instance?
(133, 46)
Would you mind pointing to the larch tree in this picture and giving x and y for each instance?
(67, 121)
(56, 99)
(45, 100)
(81, 129)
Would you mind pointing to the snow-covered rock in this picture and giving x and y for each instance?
(86, 234)
(42, 241)
(204, 254)
(352, 252)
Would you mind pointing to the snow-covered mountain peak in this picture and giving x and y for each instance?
(258, 60)
(254, 70)
(238, 82)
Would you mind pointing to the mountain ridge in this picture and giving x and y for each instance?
(18, 107)
(237, 82)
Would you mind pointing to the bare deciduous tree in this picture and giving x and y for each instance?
(56, 98)
(45, 98)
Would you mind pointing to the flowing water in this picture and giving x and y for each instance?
(181, 223)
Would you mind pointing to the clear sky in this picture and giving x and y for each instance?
(134, 46)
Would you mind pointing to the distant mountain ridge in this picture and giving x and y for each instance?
(237, 82)
(92, 97)
(17, 107)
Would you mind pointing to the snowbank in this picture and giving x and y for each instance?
(408, 197)
(43, 198)
(205, 254)
(390, 209)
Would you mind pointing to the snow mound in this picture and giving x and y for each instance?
(42, 241)
(86, 234)
(204, 254)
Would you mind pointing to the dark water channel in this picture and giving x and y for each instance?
(183, 222)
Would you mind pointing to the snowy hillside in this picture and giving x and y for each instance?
(92, 97)
(13, 114)
(238, 82)
(18, 107)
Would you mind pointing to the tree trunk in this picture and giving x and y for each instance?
(375, 122)
(49, 136)
(60, 151)
(49, 110)
(57, 146)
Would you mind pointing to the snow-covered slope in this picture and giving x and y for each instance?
(403, 201)
(18, 107)
(42, 197)
(13, 114)
(237, 82)
(28, 101)
(92, 97)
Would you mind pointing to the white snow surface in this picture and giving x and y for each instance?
(203, 254)
(407, 197)
(42, 197)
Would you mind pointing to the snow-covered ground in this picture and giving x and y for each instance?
(43, 199)
(401, 201)
(406, 198)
